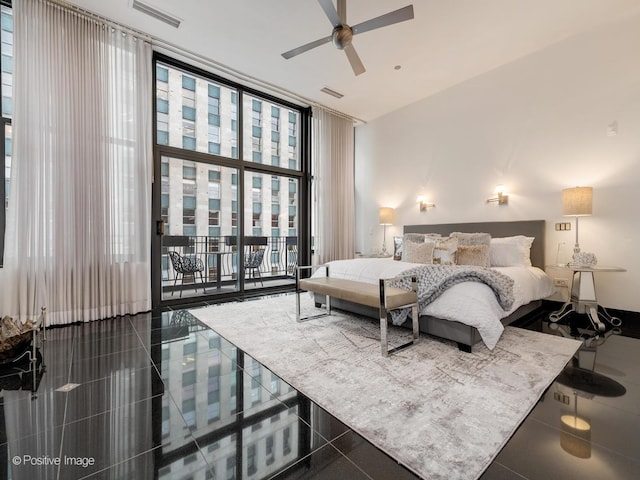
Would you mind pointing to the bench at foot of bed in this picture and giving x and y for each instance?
(382, 297)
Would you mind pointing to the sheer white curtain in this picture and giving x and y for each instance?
(333, 187)
(78, 221)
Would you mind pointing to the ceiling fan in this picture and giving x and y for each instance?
(342, 34)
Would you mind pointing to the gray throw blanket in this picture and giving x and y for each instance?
(433, 280)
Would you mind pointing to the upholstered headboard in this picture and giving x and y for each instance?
(529, 228)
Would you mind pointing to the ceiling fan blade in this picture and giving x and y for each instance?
(354, 60)
(330, 12)
(342, 11)
(304, 48)
(397, 16)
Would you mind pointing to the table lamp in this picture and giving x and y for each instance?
(386, 216)
(577, 202)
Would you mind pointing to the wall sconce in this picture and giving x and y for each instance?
(502, 198)
(424, 204)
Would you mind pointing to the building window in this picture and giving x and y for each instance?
(162, 106)
(214, 91)
(189, 83)
(214, 148)
(256, 119)
(188, 210)
(162, 74)
(188, 143)
(189, 173)
(188, 113)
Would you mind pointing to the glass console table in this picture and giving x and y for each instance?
(582, 296)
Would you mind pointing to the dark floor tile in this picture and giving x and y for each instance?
(497, 471)
(36, 455)
(119, 435)
(370, 459)
(51, 407)
(538, 451)
(324, 423)
(160, 463)
(325, 463)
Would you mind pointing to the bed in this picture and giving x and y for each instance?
(465, 312)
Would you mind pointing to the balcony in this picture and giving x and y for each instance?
(221, 261)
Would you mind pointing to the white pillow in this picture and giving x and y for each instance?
(510, 251)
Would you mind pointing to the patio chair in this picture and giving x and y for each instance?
(252, 263)
(184, 265)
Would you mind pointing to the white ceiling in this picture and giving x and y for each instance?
(448, 42)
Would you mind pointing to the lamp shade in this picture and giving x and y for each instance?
(577, 202)
(387, 216)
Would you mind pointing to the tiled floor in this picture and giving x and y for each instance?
(160, 396)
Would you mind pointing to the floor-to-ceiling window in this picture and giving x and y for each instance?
(231, 186)
(6, 92)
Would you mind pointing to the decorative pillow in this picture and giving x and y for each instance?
(477, 255)
(397, 248)
(444, 252)
(414, 237)
(511, 251)
(472, 238)
(418, 252)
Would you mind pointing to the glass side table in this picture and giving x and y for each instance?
(582, 298)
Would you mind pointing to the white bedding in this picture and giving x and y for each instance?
(471, 303)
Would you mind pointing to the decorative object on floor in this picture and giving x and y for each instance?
(577, 202)
(502, 198)
(15, 339)
(424, 204)
(442, 413)
(386, 217)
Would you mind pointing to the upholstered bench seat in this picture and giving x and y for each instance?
(381, 296)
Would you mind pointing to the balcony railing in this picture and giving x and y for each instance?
(222, 260)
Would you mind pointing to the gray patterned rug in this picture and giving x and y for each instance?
(442, 413)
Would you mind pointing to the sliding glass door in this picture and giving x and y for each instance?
(199, 229)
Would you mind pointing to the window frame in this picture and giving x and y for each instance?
(301, 172)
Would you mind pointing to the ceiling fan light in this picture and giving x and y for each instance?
(342, 36)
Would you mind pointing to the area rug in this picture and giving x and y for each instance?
(442, 413)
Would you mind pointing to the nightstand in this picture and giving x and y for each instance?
(582, 298)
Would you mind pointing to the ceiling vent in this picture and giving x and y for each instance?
(333, 93)
(155, 13)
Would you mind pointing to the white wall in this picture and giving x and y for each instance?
(536, 125)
